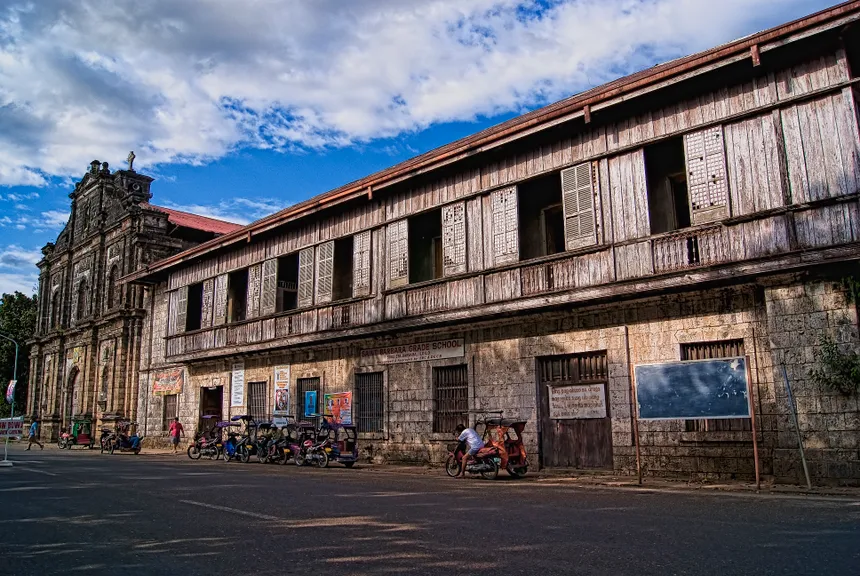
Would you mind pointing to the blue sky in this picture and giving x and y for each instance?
(238, 112)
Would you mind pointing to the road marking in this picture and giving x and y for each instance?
(233, 510)
(39, 471)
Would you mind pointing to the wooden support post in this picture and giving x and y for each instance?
(752, 425)
(587, 112)
(756, 55)
(634, 408)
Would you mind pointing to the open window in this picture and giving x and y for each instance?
(112, 288)
(342, 274)
(194, 307)
(668, 202)
(288, 283)
(425, 246)
(687, 182)
(237, 295)
(55, 309)
(541, 217)
(82, 310)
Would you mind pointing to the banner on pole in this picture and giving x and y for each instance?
(10, 391)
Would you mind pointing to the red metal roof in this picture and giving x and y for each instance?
(189, 220)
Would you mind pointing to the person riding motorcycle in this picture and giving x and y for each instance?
(473, 441)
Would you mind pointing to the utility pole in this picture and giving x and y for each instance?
(5, 461)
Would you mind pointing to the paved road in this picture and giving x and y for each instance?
(86, 513)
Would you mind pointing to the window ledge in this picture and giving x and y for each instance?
(717, 437)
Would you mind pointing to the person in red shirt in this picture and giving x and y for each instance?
(175, 431)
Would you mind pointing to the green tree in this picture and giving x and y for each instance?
(17, 321)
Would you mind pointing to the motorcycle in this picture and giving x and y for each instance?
(486, 462)
(207, 443)
(312, 452)
(236, 447)
(263, 439)
(123, 440)
(106, 439)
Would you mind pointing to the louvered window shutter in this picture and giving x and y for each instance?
(398, 253)
(172, 307)
(705, 153)
(268, 298)
(454, 238)
(577, 193)
(206, 303)
(506, 243)
(325, 272)
(181, 308)
(220, 298)
(306, 278)
(361, 264)
(255, 280)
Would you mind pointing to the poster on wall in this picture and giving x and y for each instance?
(577, 402)
(418, 352)
(310, 403)
(237, 385)
(168, 382)
(339, 407)
(282, 390)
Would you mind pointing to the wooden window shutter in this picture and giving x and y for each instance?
(577, 193)
(306, 277)
(325, 272)
(181, 309)
(506, 242)
(705, 154)
(219, 315)
(206, 303)
(454, 238)
(172, 306)
(268, 296)
(398, 253)
(361, 264)
(255, 281)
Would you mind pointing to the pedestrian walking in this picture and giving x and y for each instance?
(34, 428)
(176, 430)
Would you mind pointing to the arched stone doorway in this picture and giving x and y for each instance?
(71, 404)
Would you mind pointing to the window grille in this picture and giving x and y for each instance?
(710, 351)
(450, 397)
(257, 394)
(171, 411)
(588, 368)
(370, 402)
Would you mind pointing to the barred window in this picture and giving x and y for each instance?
(170, 411)
(257, 401)
(710, 351)
(450, 397)
(370, 405)
(303, 407)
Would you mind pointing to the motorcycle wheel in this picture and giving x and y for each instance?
(491, 474)
(300, 459)
(61, 443)
(136, 451)
(214, 454)
(280, 456)
(286, 458)
(112, 448)
(262, 456)
(242, 454)
(517, 472)
(226, 456)
(322, 460)
(194, 452)
(452, 467)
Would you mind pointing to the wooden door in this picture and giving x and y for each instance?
(211, 404)
(576, 433)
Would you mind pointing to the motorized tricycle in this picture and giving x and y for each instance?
(240, 446)
(207, 442)
(315, 444)
(79, 434)
(506, 434)
(124, 440)
(342, 443)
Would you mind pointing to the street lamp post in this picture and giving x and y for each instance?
(5, 461)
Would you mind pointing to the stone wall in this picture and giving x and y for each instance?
(779, 321)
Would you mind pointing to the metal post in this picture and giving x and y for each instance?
(634, 406)
(752, 425)
(12, 413)
(793, 411)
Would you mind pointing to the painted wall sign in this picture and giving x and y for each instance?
(282, 390)
(339, 406)
(237, 385)
(310, 403)
(168, 382)
(577, 402)
(418, 352)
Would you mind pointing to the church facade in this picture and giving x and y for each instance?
(87, 343)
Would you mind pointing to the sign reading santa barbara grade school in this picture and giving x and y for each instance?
(415, 352)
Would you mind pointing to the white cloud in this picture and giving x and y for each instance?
(18, 270)
(178, 82)
(47, 220)
(237, 210)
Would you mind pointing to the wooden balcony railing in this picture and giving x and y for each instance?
(683, 250)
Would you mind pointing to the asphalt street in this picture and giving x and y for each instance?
(82, 512)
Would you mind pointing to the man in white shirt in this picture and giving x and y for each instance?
(474, 443)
